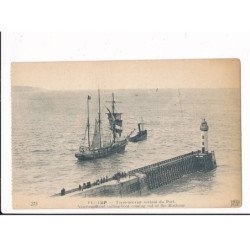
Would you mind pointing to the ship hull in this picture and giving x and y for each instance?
(141, 136)
(118, 147)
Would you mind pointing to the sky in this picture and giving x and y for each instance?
(210, 73)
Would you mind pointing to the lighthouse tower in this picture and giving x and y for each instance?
(204, 136)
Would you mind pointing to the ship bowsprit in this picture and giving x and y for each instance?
(141, 180)
(97, 148)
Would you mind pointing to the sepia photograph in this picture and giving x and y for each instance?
(124, 121)
(126, 134)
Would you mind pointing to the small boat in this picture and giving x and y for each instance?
(99, 149)
(141, 135)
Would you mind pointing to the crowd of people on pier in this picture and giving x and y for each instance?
(119, 175)
(116, 176)
(88, 184)
(95, 183)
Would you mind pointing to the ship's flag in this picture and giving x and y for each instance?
(89, 97)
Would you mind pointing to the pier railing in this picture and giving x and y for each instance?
(138, 170)
(144, 169)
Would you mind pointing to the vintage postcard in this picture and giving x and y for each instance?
(145, 134)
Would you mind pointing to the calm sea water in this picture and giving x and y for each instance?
(48, 126)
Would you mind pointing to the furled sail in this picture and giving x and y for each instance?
(118, 131)
(118, 116)
(118, 119)
(115, 123)
(97, 137)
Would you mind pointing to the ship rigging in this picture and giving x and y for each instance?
(97, 149)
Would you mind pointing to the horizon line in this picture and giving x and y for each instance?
(156, 88)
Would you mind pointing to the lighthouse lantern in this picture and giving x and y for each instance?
(204, 136)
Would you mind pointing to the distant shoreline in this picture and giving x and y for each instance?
(31, 88)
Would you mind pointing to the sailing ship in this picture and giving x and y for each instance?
(97, 148)
(141, 135)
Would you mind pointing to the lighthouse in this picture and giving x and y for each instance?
(204, 136)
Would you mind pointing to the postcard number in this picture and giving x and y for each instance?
(33, 203)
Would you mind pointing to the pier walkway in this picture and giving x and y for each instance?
(148, 177)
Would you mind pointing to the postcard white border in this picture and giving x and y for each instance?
(122, 46)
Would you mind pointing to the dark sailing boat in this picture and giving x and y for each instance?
(98, 149)
(141, 135)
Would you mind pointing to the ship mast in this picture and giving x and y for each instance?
(113, 103)
(113, 111)
(114, 119)
(99, 117)
(179, 95)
